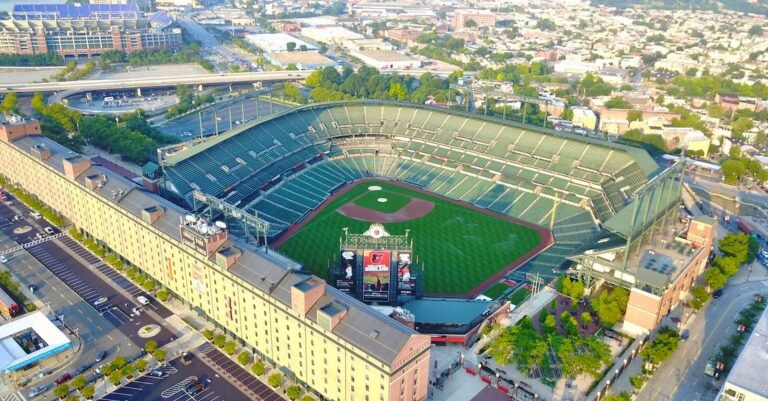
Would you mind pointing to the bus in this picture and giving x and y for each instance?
(8, 306)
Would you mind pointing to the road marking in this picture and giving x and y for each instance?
(176, 388)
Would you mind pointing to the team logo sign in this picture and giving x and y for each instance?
(377, 231)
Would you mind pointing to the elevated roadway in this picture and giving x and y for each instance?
(198, 79)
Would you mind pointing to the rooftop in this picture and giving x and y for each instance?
(300, 58)
(447, 310)
(270, 273)
(29, 339)
(749, 370)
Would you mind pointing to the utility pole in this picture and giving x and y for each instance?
(200, 122)
(229, 109)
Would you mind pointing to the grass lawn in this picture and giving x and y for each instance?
(370, 199)
(517, 297)
(458, 247)
(496, 290)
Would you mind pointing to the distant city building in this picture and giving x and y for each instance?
(86, 30)
(302, 60)
(405, 36)
(575, 67)
(584, 117)
(277, 42)
(746, 381)
(335, 35)
(386, 59)
(481, 18)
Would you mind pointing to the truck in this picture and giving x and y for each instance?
(709, 370)
(8, 306)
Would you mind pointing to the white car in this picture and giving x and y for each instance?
(48, 230)
(100, 301)
(143, 300)
(37, 391)
(3, 259)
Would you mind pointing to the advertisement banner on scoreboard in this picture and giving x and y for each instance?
(345, 278)
(406, 280)
(376, 276)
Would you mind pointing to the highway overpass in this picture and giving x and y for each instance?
(107, 84)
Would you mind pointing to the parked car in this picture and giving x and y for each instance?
(186, 358)
(63, 379)
(718, 294)
(143, 300)
(37, 391)
(48, 230)
(3, 259)
(82, 369)
(102, 355)
(100, 301)
(158, 373)
(684, 335)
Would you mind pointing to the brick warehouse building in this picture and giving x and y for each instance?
(85, 31)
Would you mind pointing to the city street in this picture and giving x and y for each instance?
(95, 332)
(682, 378)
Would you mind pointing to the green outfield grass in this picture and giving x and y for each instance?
(458, 247)
(496, 290)
(370, 199)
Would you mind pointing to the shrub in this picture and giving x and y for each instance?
(163, 295)
(230, 348)
(141, 364)
(244, 358)
(307, 398)
(30, 307)
(275, 379)
(637, 380)
(150, 346)
(119, 362)
(128, 370)
(258, 368)
(61, 390)
(132, 272)
(116, 377)
(293, 392)
(159, 354)
(149, 285)
(79, 382)
(88, 392)
(219, 340)
(208, 334)
(107, 369)
(75, 233)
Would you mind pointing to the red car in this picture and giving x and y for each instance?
(63, 379)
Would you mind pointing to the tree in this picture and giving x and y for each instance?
(691, 72)
(736, 246)
(291, 67)
(208, 334)
(661, 347)
(293, 392)
(10, 104)
(634, 115)
(150, 346)
(140, 365)
(61, 390)
(611, 305)
(290, 46)
(258, 368)
(741, 125)
(244, 358)
(637, 381)
(163, 294)
(700, 296)
(79, 382)
(88, 392)
(573, 289)
(230, 348)
(715, 278)
(159, 354)
(755, 30)
(732, 171)
(586, 318)
(617, 103)
(623, 396)
(275, 380)
(220, 340)
(119, 362)
(567, 114)
(115, 377)
(128, 370)
(550, 324)
(307, 398)
(470, 23)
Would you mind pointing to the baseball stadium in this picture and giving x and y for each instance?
(476, 197)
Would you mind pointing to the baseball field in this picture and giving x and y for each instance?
(461, 249)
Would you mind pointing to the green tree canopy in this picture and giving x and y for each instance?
(662, 346)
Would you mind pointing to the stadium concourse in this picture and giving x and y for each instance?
(285, 166)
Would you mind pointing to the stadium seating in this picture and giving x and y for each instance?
(508, 169)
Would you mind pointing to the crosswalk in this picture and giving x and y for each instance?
(13, 397)
(177, 388)
(31, 244)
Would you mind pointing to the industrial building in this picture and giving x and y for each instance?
(84, 31)
(324, 338)
(746, 381)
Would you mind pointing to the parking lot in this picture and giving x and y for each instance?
(83, 279)
(256, 389)
(171, 387)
